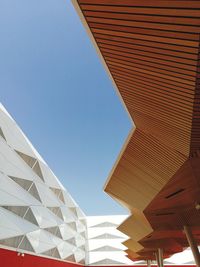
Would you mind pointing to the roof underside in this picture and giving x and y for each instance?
(151, 50)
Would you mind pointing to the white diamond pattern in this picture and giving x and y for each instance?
(37, 213)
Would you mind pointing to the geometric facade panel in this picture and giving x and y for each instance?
(107, 248)
(19, 210)
(72, 225)
(37, 170)
(107, 236)
(28, 159)
(58, 193)
(26, 245)
(29, 216)
(37, 213)
(52, 252)
(105, 224)
(23, 211)
(71, 258)
(107, 262)
(26, 184)
(54, 231)
(39, 216)
(56, 211)
(34, 192)
(105, 241)
(2, 134)
(12, 241)
(72, 241)
(74, 211)
(32, 163)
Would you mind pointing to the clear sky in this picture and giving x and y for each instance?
(54, 85)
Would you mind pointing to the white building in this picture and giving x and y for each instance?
(37, 213)
(105, 241)
(39, 217)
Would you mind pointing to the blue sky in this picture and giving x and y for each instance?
(54, 85)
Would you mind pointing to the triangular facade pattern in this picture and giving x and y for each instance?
(25, 244)
(72, 225)
(58, 193)
(57, 212)
(2, 134)
(54, 231)
(25, 184)
(106, 248)
(72, 241)
(12, 241)
(28, 159)
(105, 241)
(107, 262)
(37, 214)
(29, 216)
(106, 224)
(70, 258)
(52, 252)
(74, 211)
(107, 236)
(37, 170)
(40, 217)
(19, 210)
(34, 192)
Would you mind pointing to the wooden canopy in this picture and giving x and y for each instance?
(150, 49)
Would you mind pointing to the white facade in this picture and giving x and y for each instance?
(105, 241)
(37, 214)
(106, 248)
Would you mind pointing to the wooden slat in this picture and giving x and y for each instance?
(169, 12)
(151, 48)
(132, 254)
(98, 28)
(158, 93)
(133, 245)
(170, 92)
(143, 3)
(163, 48)
(178, 37)
(183, 89)
(152, 72)
(189, 32)
(172, 20)
(195, 132)
(144, 56)
(148, 65)
(138, 222)
(140, 166)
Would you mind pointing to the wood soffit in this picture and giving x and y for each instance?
(151, 51)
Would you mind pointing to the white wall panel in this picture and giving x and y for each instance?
(37, 213)
(104, 241)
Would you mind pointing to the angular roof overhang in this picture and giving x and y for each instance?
(150, 49)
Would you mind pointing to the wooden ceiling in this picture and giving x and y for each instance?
(151, 51)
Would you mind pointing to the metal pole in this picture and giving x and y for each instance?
(160, 257)
(148, 263)
(193, 245)
(157, 259)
